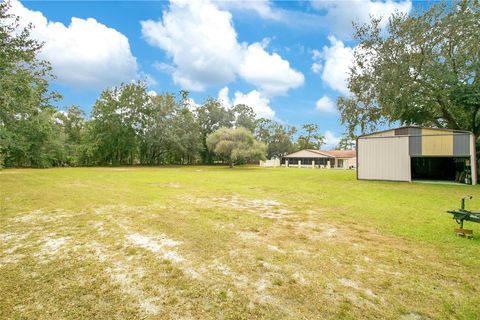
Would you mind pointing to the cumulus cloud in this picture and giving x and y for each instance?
(331, 140)
(263, 8)
(316, 67)
(253, 99)
(257, 102)
(164, 67)
(224, 98)
(325, 104)
(337, 60)
(202, 43)
(272, 74)
(84, 53)
(340, 14)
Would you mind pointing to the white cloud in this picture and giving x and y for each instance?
(337, 60)
(224, 98)
(263, 8)
(331, 140)
(164, 67)
(325, 104)
(202, 42)
(316, 67)
(272, 74)
(257, 102)
(84, 53)
(253, 99)
(152, 93)
(340, 14)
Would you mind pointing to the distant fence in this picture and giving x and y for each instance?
(270, 163)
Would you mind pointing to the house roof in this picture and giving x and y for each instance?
(342, 153)
(312, 153)
(308, 153)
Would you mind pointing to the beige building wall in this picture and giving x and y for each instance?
(384, 158)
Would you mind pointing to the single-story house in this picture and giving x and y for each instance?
(415, 153)
(339, 159)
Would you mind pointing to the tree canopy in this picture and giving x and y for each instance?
(310, 137)
(278, 138)
(235, 145)
(422, 70)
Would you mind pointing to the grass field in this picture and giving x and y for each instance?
(242, 243)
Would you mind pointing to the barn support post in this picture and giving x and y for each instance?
(473, 158)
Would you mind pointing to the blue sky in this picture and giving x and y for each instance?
(287, 59)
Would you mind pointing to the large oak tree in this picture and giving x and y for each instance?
(423, 70)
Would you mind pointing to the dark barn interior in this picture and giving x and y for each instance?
(440, 168)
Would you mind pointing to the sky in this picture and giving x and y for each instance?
(288, 60)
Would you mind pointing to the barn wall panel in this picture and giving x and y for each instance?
(461, 144)
(437, 143)
(415, 141)
(384, 158)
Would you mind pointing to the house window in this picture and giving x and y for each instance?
(339, 163)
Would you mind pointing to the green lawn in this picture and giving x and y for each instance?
(242, 243)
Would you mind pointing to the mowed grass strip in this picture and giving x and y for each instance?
(243, 243)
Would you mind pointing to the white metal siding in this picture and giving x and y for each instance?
(473, 159)
(384, 158)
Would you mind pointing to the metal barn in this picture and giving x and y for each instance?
(414, 153)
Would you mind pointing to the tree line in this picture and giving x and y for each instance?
(127, 125)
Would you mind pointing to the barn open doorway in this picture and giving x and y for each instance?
(452, 169)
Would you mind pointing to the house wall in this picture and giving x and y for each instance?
(346, 163)
(385, 158)
(352, 162)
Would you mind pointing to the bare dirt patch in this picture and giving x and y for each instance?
(174, 185)
(161, 246)
(128, 277)
(265, 208)
(164, 248)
